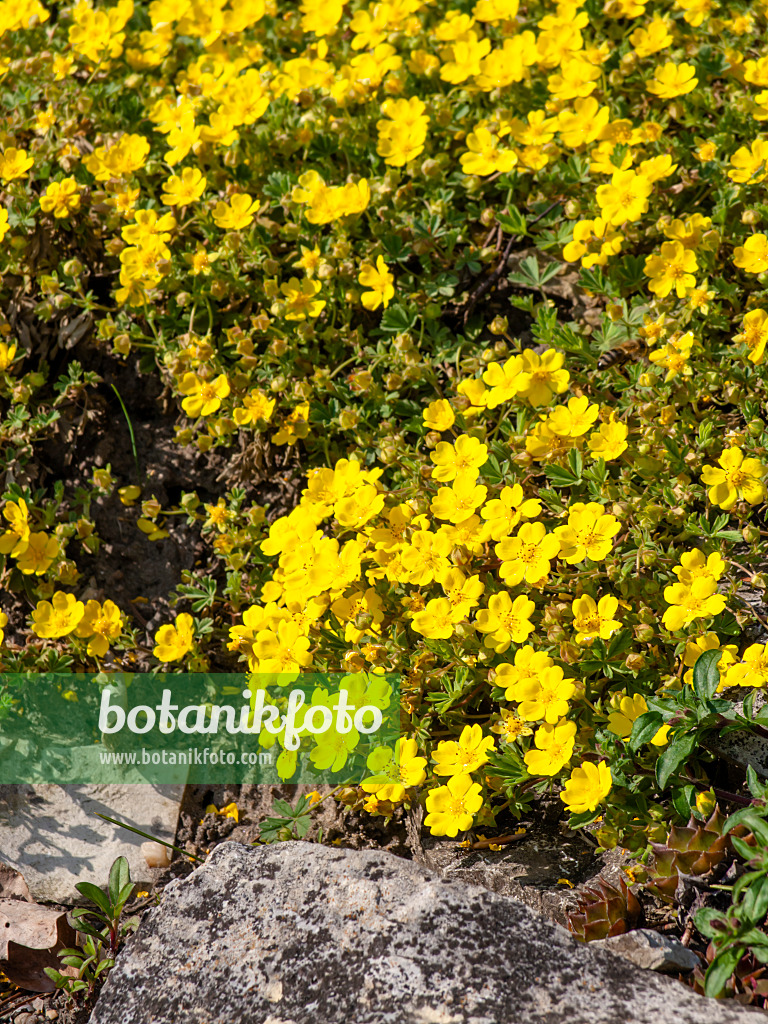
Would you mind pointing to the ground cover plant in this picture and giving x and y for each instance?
(451, 319)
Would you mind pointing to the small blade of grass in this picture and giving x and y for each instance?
(146, 835)
(130, 431)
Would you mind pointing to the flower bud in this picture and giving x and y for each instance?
(644, 633)
(498, 325)
(353, 662)
(348, 419)
(635, 662)
(569, 652)
(751, 534)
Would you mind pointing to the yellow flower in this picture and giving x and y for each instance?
(754, 334)
(687, 603)
(437, 620)
(587, 787)
(553, 748)
(753, 255)
(102, 624)
(696, 565)
(173, 642)
(256, 406)
(505, 382)
(510, 727)
(577, 78)
(674, 356)
(57, 617)
(673, 80)
(546, 376)
(528, 555)
(61, 198)
(451, 808)
(592, 620)
(439, 415)
(464, 458)
(185, 189)
(381, 283)
(629, 709)
(294, 427)
(484, 156)
(506, 621)
(458, 502)
(736, 478)
(573, 419)
(203, 396)
(594, 241)
(300, 301)
(466, 755)
(506, 511)
(609, 441)
(4, 225)
(14, 541)
(653, 37)
(588, 534)
(14, 163)
(545, 697)
(237, 214)
(625, 199)
(7, 355)
(674, 268)
(395, 771)
(528, 667)
(38, 555)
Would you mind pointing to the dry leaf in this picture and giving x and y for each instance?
(30, 939)
(12, 884)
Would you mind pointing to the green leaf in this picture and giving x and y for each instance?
(95, 895)
(732, 535)
(677, 751)
(706, 920)
(754, 906)
(620, 642)
(576, 462)
(119, 877)
(706, 675)
(684, 800)
(720, 970)
(560, 476)
(644, 729)
(513, 222)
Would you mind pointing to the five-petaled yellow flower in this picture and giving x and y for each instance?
(735, 478)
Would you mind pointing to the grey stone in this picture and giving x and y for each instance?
(306, 934)
(744, 749)
(51, 835)
(651, 950)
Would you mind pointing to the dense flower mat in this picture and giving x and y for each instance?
(496, 274)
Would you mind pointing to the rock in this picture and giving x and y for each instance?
(743, 749)
(51, 834)
(299, 933)
(651, 950)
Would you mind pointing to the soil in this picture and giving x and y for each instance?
(138, 574)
